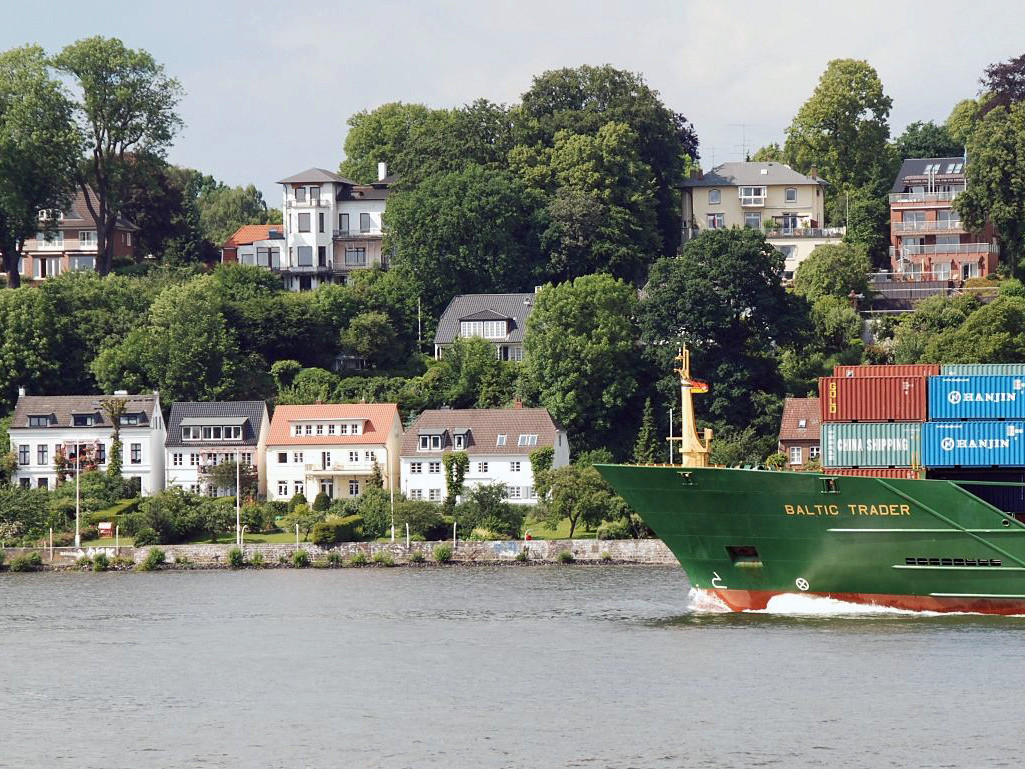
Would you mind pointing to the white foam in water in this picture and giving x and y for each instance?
(706, 602)
(797, 604)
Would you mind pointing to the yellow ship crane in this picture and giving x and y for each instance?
(693, 453)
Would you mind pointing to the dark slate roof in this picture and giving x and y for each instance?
(484, 426)
(916, 167)
(315, 175)
(515, 307)
(77, 214)
(61, 408)
(229, 411)
(750, 173)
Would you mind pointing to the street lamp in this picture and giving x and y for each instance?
(238, 501)
(78, 502)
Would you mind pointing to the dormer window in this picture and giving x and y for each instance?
(83, 420)
(500, 441)
(129, 419)
(39, 421)
(527, 440)
(802, 423)
(752, 196)
(459, 441)
(190, 434)
(297, 430)
(431, 441)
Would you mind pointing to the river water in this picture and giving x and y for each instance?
(582, 666)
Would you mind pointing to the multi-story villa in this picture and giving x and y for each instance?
(498, 442)
(52, 434)
(72, 245)
(332, 448)
(499, 318)
(203, 435)
(927, 239)
(331, 227)
(787, 205)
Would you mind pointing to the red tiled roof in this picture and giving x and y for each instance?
(379, 420)
(794, 410)
(250, 233)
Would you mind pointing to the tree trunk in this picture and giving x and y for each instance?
(11, 268)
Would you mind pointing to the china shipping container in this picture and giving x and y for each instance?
(887, 369)
(973, 444)
(905, 473)
(977, 397)
(983, 369)
(871, 444)
(872, 399)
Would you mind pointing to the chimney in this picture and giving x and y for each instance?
(517, 404)
(382, 171)
(21, 392)
(120, 392)
(814, 173)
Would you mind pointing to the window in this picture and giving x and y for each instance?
(300, 194)
(434, 495)
(299, 487)
(87, 239)
(796, 455)
(282, 488)
(305, 256)
(343, 429)
(369, 456)
(416, 467)
(80, 263)
(320, 429)
(136, 453)
(83, 420)
(297, 457)
(128, 238)
(527, 440)
(752, 196)
(429, 442)
(38, 421)
(308, 429)
(355, 257)
(314, 194)
(434, 467)
(42, 452)
(715, 221)
(129, 419)
(43, 483)
(947, 244)
(298, 430)
(354, 456)
(330, 429)
(101, 453)
(320, 222)
(54, 240)
(500, 441)
(343, 223)
(459, 441)
(356, 428)
(193, 459)
(802, 423)
(304, 222)
(354, 488)
(529, 492)
(177, 459)
(282, 457)
(416, 494)
(482, 467)
(514, 467)
(24, 483)
(364, 222)
(714, 197)
(322, 255)
(513, 492)
(813, 452)
(515, 353)
(471, 328)
(790, 195)
(752, 221)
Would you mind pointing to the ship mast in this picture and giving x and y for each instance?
(692, 452)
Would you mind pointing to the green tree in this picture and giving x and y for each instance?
(926, 140)
(579, 494)
(648, 448)
(370, 336)
(39, 148)
(833, 270)
(321, 502)
(380, 136)
(580, 354)
(770, 153)
(223, 209)
(305, 517)
(995, 171)
(469, 375)
(134, 117)
(23, 512)
(114, 409)
(240, 476)
(541, 460)
(456, 463)
(962, 119)
(994, 333)
(933, 316)
(837, 324)
(486, 508)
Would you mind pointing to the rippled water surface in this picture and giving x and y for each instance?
(485, 667)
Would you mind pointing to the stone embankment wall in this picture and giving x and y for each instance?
(638, 551)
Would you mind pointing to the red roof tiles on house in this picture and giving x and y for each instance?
(796, 411)
(248, 234)
(379, 420)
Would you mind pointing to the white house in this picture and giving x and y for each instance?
(499, 318)
(332, 447)
(203, 435)
(498, 441)
(46, 428)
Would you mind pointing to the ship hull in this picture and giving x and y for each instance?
(747, 536)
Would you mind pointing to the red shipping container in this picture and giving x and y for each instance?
(888, 369)
(873, 399)
(876, 472)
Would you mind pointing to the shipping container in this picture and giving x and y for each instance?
(871, 444)
(872, 399)
(973, 444)
(983, 369)
(905, 473)
(887, 369)
(976, 397)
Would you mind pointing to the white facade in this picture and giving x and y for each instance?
(424, 477)
(339, 470)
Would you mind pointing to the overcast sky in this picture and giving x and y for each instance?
(269, 85)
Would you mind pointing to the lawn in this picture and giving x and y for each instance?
(539, 531)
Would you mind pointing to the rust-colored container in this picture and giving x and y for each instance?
(873, 399)
(876, 472)
(887, 369)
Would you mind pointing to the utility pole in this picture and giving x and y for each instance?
(78, 500)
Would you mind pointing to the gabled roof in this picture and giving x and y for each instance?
(484, 426)
(248, 234)
(216, 413)
(77, 214)
(794, 411)
(377, 418)
(751, 173)
(64, 407)
(917, 166)
(514, 307)
(485, 315)
(315, 175)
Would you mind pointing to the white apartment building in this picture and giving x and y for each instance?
(204, 435)
(74, 427)
(498, 443)
(332, 447)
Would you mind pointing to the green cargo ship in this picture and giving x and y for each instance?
(747, 536)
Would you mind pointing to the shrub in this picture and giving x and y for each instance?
(424, 518)
(27, 562)
(486, 508)
(334, 558)
(155, 558)
(3, 557)
(522, 556)
(123, 562)
(383, 558)
(443, 553)
(565, 556)
(333, 530)
(417, 556)
(606, 555)
(619, 529)
(283, 559)
(375, 509)
(101, 562)
(296, 500)
(85, 563)
(300, 559)
(183, 561)
(145, 536)
(321, 502)
(236, 558)
(256, 559)
(359, 558)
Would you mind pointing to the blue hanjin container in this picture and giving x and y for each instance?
(973, 444)
(983, 369)
(976, 397)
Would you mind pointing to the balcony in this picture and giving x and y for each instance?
(373, 232)
(341, 468)
(924, 198)
(932, 249)
(806, 232)
(303, 269)
(939, 225)
(317, 203)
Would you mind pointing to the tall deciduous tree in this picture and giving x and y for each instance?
(961, 121)
(380, 136)
(1003, 84)
(39, 148)
(126, 107)
(926, 140)
(223, 209)
(833, 269)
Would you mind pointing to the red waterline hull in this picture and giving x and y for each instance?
(754, 600)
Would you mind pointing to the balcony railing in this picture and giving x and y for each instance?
(303, 268)
(342, 468)
(318, 203)
(806, 232)
(924, 197)
(373, 232)
(938, 225)
(945, 248)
